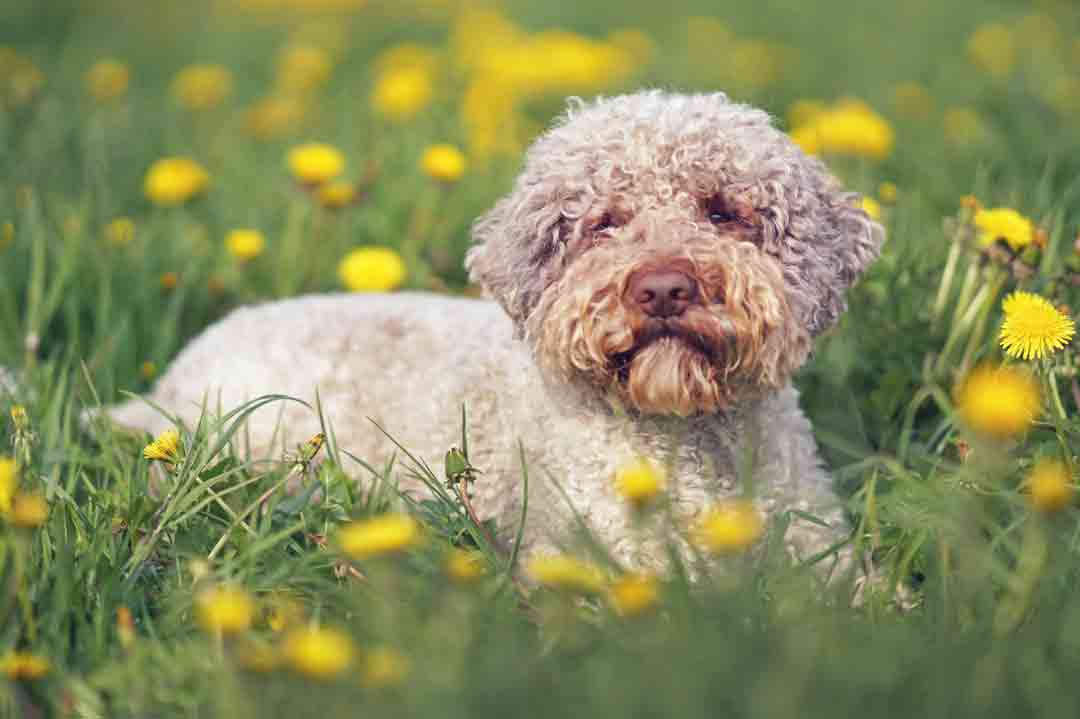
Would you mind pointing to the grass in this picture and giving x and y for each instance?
(104, 588)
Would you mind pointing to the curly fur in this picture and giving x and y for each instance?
(574, 370)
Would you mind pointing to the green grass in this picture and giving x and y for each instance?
(996, 628)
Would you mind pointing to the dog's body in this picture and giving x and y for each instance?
(661, 265)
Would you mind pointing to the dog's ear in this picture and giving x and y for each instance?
(512, 243)
(857, 243)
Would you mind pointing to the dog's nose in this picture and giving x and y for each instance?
(662, 293)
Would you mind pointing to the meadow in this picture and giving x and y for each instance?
(163, 163)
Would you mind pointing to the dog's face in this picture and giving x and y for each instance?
(675, 250)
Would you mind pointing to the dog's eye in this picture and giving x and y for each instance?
(719, 212)
(606, 222)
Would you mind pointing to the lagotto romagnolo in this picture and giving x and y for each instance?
(656, 275)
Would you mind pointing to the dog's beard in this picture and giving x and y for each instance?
(668, 376)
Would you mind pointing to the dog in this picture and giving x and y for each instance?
(654, 279)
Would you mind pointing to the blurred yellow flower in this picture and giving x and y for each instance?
(318, 652)
(887, 192)
(245, 244)
(871, 207)
(755, 64)
(729, 526)
(407, 55)
(634, 594)
(1033, 327)
(169, 281)
(9, 482)
(284, 612)
(640, 481)
(1004, 223)
(851, 127)
(992, 49)
(19, 418)
(372, 269)
(464, 565)
(635, 43)
(316, 162)
(148, 369)
(23, 665)
(202, 87)
(173, 181)
(1050, 486)
(912, 100)
(803, 112)
(258, 657)
(28, 510)
(336, 195)
(565, 573)
(303, 68)
(806, 137)
(125, 627)
(7, 234)
(403, 92)
(273, 116)
(20, 78)
(107, 80)
(445, 163)
(998, 402)
(964, 127)
(165, 448)
(378, 536)
(383, 667)
(120, 232)
(224, 610)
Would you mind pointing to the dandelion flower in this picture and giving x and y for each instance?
(1050, 486)
(998, 402)
(850, 127)
(871, 207)
(245, 244)
(120, 232)
(9, 482)
(378, 536)
(303, 68)
(992, 49)
(402, 92)
(1003, 223)
(372, 269)
(444, 163)
(125, 627)
(7, 234)
(148, 369)
(202, 87)
(316, 162)
(336, 195)
(224, 610)
(566, 573)
(464, 566)
(384, 667)
(728, 527)
(166, 448)
(634, 594)
(28, 510)
(107, 80)
(318, 652)
(19, 418)
(173, 181)
(23, 665)
(887, 192)
(640, 481)
(272, 117)
(913, 100)
(1033, 327)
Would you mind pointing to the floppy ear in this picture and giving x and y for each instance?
(511, 244)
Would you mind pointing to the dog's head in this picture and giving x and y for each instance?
(676, 250)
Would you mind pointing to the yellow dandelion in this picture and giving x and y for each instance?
(640, 481)
(964, 127)
(23, 665)
(148, 369)
(316, 162)
(378, 536)
(464, 566)
(634, 594)
(273, 117)
(730, 526)
(336, 195)
(913, 100)
(169, 281)
(173, 181)
(28, 510)
(125, 627)
(318, 652)
(565, 573)
(7, 234)
(245, 244)
(806, 138)
(384, 667)
(871, 207)
(303, 68)
(106, 80)
(444, 163)
(224, 610)
(165, 448)
(998, 402)
(372, 269)
(202, 87)
(284, 612)
(992, 49)
(1050, 487)
(1006, 224)
(887, 192)
(120, 232)
(9, 482)
(849, 127)
(1033, 327)
(401, 93)
(19, 418)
